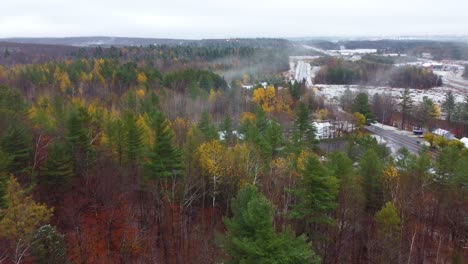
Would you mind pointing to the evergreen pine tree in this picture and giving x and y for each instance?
(371, 169)
(206, 82)
(226, 128)
(133, 139)
(118, 139)
(274, 137)
(448, 105)
(12, 100)
(5, 161)
(58, 168)
(164, 158)
(207, 127)
(316, 193)
(251, 238)
(389, 226)
(406, 105)
(304, 130)
(261, 120)
(78, 139)
(361, 105)
(16, 143)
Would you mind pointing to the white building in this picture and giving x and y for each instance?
(427, 55)
(444, 133)
(324, 130)
(222, 135)
(464, 141)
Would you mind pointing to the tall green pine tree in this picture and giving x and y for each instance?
(251, 238)
(371, 169)
(304, 132)
(78, 139)
(5, 161)
(316, 193)
(207, 127)
(58, 168)
(133, 139)
(16, 143)
(226, 128)
(164, 158)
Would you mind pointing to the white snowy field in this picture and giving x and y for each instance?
(301, 69)
(332, 93)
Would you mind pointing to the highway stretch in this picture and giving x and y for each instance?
(457, 82)
(402, 141)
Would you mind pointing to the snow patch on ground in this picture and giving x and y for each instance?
(332, 93)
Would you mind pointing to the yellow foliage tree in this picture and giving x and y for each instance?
(247, 116)
(213, 96)
(323, 114)
(212, 157)
(258, 95)
(237, 161)
(148, 135)
(180, 127)
(96, 72)
(3, 73)
(64, 82)
(436, 112)
(284, 101)
(302, 159)
(360, 120)
(429, 137)
(142, 79)
(456, 143)
(391, 180)
(265, 98)
(280, 165)
(440, 141)
(22, 215)
(140, 93)
(42, 114)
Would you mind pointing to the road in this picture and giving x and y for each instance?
(399, 140)
(456, 81)
(303, 72)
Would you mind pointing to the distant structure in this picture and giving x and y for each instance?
(332, 129)
(427, 55)
(222, 135)
(325, 130)
(464, 141)
(444, 133)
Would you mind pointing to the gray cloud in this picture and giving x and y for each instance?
(241, 18)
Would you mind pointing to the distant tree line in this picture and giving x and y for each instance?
(221, 57)
(337, 71)
(438, 49)
(102, 77)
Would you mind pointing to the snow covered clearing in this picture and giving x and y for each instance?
(332, 93)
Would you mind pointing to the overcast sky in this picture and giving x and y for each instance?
(236, 18)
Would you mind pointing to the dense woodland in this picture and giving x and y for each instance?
(373, 70)
(234, 61)
(119, 160)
